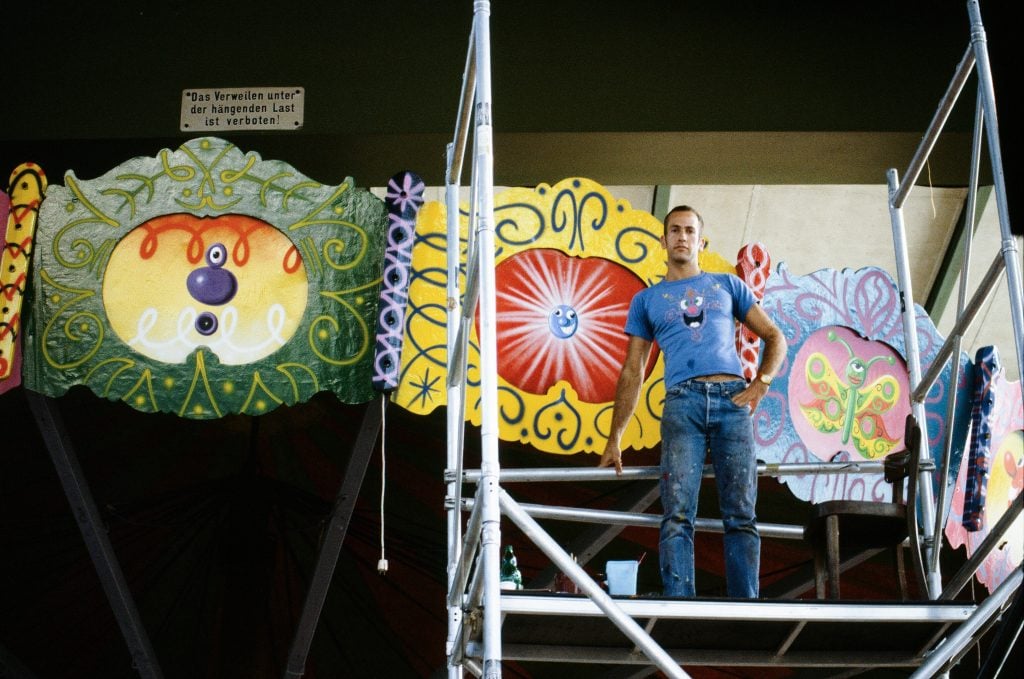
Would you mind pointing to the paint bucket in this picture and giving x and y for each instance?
(622, 577)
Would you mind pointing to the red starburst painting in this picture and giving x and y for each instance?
(562, 318)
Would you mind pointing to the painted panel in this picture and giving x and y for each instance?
(844, 389)
(404, 198)
(569, 258)
(753, 265)
(19, 212)
(1003, 483)
(205, 281)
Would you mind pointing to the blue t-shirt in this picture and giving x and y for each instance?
(692, 321)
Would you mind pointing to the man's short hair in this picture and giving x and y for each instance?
(682, 208)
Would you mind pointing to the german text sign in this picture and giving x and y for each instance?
(242, 108)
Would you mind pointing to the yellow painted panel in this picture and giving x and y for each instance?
(569, 258)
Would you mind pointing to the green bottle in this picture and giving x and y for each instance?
(511, 578)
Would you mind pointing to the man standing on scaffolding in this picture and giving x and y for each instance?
(708, 405)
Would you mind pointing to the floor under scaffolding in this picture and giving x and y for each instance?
(568, 630)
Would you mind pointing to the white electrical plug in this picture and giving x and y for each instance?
(382, 566)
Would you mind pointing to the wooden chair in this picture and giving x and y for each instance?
(853, 527)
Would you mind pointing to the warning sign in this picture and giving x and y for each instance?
(242, 108)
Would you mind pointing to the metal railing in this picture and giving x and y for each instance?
(1006, 261)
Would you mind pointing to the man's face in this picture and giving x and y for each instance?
(682, 238)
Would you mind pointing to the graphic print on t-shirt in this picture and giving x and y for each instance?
(693, 306)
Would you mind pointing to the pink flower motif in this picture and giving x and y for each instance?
(406, 194)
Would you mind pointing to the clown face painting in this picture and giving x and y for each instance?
(205, 281)
(231, 283)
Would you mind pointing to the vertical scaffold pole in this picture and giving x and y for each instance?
(457, 328)
(483, 162)
(453, 413)
(1009, 244)
(909, 314)
(967, 243)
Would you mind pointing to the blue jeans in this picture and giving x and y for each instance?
(700, 417)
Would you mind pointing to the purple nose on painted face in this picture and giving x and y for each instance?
(213, 284)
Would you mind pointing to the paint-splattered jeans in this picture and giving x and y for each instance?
(700, 417)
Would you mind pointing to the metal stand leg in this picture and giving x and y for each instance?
(832, 549)
(94, 533)
(344, 504)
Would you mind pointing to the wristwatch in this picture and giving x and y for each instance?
(765, 379)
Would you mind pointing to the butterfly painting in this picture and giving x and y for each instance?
(843, 398)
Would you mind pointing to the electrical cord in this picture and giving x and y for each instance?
(382, 564)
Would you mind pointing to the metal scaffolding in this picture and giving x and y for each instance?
(662, 633)
(1006, 260)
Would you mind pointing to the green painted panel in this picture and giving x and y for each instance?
(205, 281)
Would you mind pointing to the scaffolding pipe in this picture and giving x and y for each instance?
(456, 394)
(954, 370)
(470, 298)
(456, 358)
(453, 174)
(474, 667)
(598, 596)
(483, 186)
(574, 474)
(924, 149)
(475, 593)
(909, 314)
(468, 552)
(457, 341)
(471, 294)
(472, 288)
(1009, 247)
(456, 152)
(965, 633)
(963, 322)
(457, 656)
(453, 413)
(992, 541)
(642, 520)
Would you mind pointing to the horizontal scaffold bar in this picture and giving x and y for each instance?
(761, 611)
(602, 516)
(635, 473)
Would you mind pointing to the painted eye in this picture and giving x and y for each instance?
(206, 324)
(216, 255)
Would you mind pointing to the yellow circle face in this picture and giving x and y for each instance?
(233, 284)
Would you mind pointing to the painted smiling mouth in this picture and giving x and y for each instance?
(693, 320)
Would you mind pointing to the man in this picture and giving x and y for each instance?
(708, 405)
